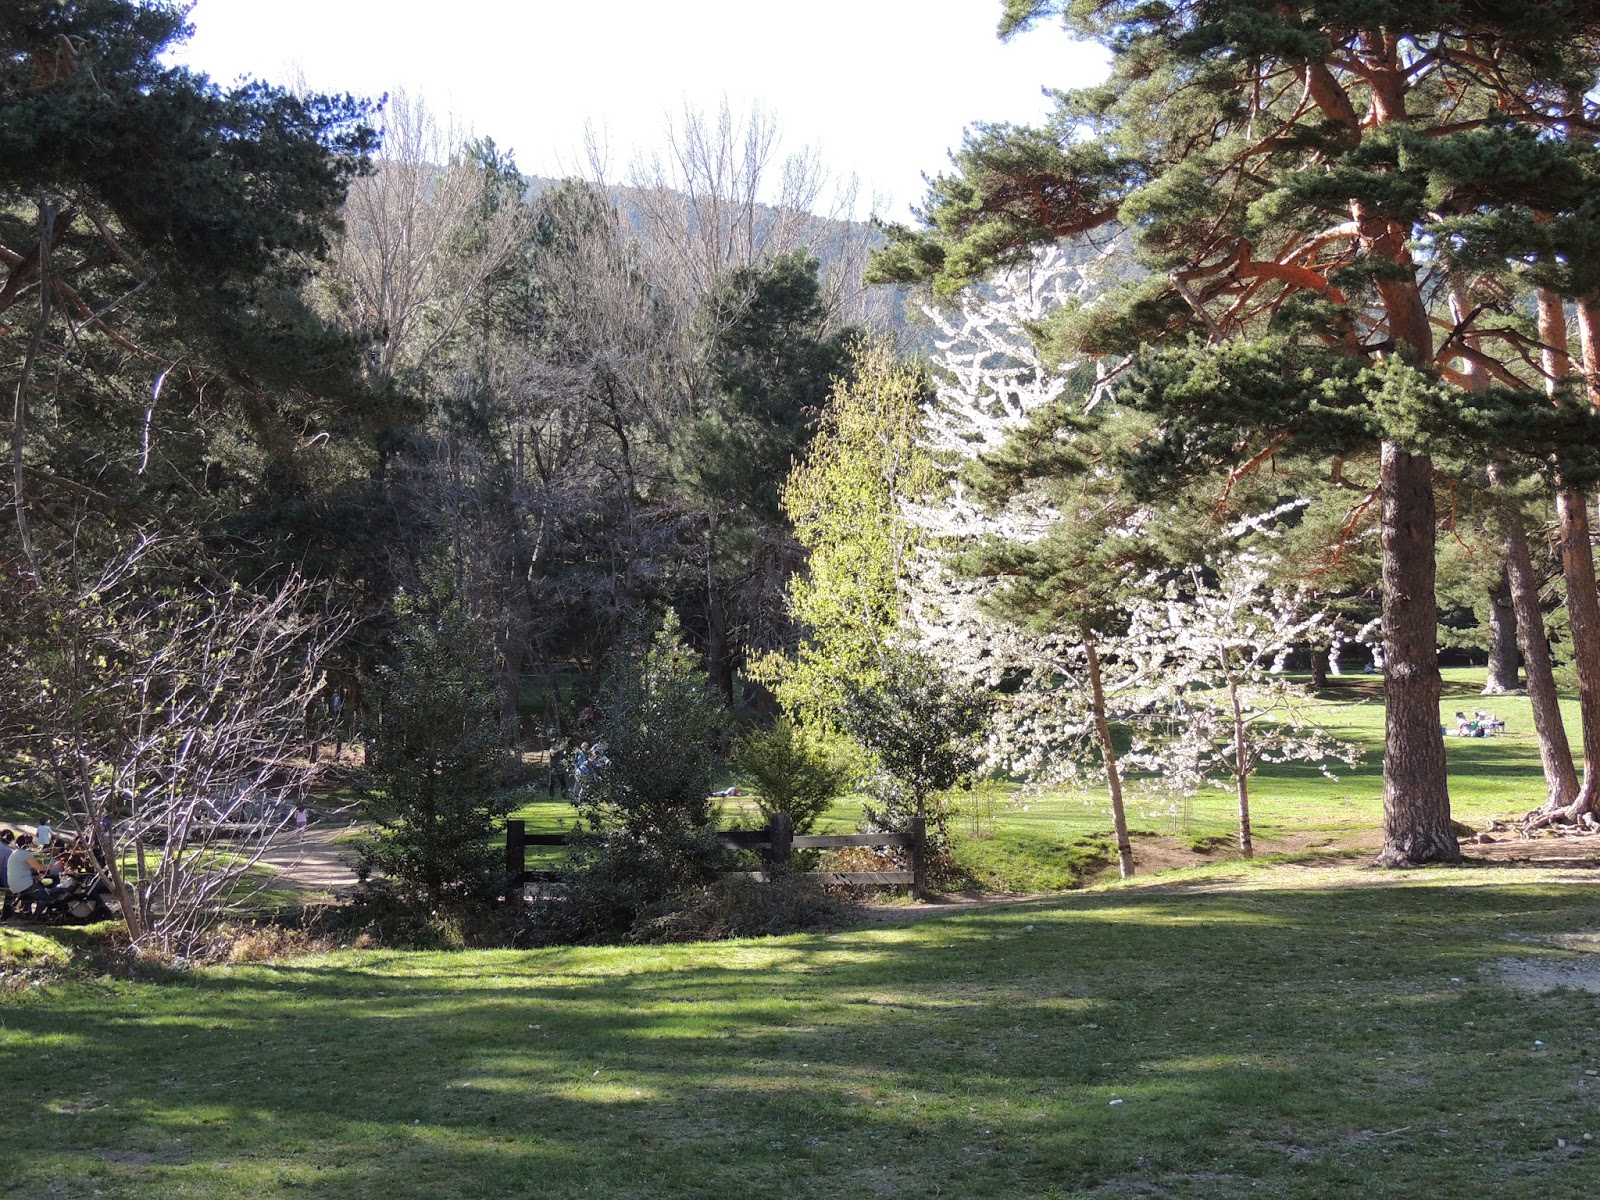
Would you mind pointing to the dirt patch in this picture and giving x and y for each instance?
(1548, 974)
(145, 1158)
(1546, 847)
(1578, 970)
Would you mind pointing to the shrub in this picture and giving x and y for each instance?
(649, 830)
(793, 774)
(738, 906)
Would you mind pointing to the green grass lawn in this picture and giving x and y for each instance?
(1230, 1031)
(1024, 840)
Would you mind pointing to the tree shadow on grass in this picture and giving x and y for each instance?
(1273, 1036)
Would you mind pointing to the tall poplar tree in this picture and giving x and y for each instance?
(1279, 167)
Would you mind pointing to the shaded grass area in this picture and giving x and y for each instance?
(1303, 1033)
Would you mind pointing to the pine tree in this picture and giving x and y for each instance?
(438, 757)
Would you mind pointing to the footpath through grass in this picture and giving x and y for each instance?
(1295, 1032)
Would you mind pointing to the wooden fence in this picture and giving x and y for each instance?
(777, 843)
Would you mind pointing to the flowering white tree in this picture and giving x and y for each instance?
(1221, 692)
(992, 374)
(1057, 694)
(992, 380)
(1089, 638)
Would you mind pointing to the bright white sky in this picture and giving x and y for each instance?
(881, 88)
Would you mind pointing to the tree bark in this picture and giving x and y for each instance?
(1577, 557)
(1241, 773)
(1108, 755)
(1555, 751)
(1319, 667)
(1583, 618)
(1416, 791)
(1502, 676)
(1416, 795)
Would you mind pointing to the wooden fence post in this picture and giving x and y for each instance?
(516, 853)
(780, 835)
(919, 856)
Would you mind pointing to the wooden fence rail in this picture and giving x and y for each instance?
(777, 844)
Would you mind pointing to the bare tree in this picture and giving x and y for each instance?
(419, 242)
(722, 194)
(170, 718)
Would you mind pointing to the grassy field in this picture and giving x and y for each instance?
(1016, 840)
(1302, 1029)
(1231, 1031)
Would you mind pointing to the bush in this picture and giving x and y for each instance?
(738, 906)
(793, 774)
(617, 880)
(648, 826)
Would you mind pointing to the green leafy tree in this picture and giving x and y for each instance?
(793, 773)
(844, 498)
(924, 730)
(438, 758)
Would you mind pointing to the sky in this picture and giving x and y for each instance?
(879, 89)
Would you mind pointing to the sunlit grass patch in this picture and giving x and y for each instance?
(1335, 1031)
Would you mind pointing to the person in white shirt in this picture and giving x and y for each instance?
(23, 869)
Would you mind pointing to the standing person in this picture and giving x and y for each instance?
(583, 768)
(558, 771)
(336, 716)
(302, 816)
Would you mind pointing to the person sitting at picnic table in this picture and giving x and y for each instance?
(1488, 722)
(23, 870)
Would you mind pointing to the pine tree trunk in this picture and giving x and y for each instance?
(1555, 751)
(1577, 556)
(1108, 754)
(1583, 617)
(1502, 675)
(1416, 796)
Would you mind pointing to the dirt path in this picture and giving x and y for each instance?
(317, 861)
